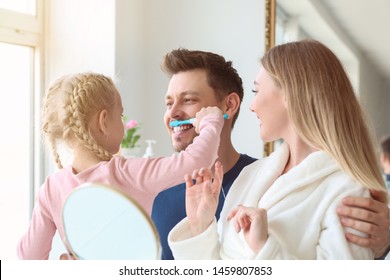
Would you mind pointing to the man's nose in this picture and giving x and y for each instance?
(175, 112)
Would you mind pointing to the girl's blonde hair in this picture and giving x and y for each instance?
(69, 107)
(324, 108)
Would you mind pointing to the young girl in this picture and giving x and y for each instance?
(85, 112)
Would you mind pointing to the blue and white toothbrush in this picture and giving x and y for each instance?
(189, 121)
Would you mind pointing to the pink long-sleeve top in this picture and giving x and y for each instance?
(141, 178)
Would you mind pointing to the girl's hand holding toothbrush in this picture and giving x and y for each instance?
(203, 112)
(193, 120)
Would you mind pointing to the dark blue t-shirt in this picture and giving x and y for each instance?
(169, 205)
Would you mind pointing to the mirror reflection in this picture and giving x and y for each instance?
(356, 36)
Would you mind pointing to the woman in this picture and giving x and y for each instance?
(284, 206)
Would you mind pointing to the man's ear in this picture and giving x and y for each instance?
(103, 121)
(231, 104)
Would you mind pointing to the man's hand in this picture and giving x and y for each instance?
(67, 257)
(370, 216)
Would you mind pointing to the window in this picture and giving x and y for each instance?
(21, 6)
(16, 146)
(20, 44)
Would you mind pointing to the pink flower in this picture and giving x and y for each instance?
(130, 136)
(131, 123)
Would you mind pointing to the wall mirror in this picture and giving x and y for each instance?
(311, 19)
(355, 36)
(288, 21)
(102, 223)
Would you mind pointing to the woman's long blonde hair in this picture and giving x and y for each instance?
(324, 108)
(69, 107)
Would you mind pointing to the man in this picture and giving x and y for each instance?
(385, 160)
(200, 79)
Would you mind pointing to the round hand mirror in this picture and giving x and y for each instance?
(102, 223)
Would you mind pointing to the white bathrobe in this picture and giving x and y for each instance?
(301, 209)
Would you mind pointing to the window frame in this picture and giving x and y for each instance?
(27, 30)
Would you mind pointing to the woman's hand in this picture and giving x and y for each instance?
(253, 222)
(202, 197)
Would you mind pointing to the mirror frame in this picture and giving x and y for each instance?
(270, 26)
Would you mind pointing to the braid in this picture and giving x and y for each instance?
(55, 153)
(50, 121)
(77, 120)
(68, 110)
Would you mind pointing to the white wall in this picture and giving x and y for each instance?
(130, 58)
(80, 37)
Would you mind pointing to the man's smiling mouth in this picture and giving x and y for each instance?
(182, 128)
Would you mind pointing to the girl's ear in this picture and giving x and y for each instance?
(103, 121)
(231, 104)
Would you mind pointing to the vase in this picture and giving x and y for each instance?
(131, 152)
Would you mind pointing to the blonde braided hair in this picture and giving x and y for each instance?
(69, 106)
